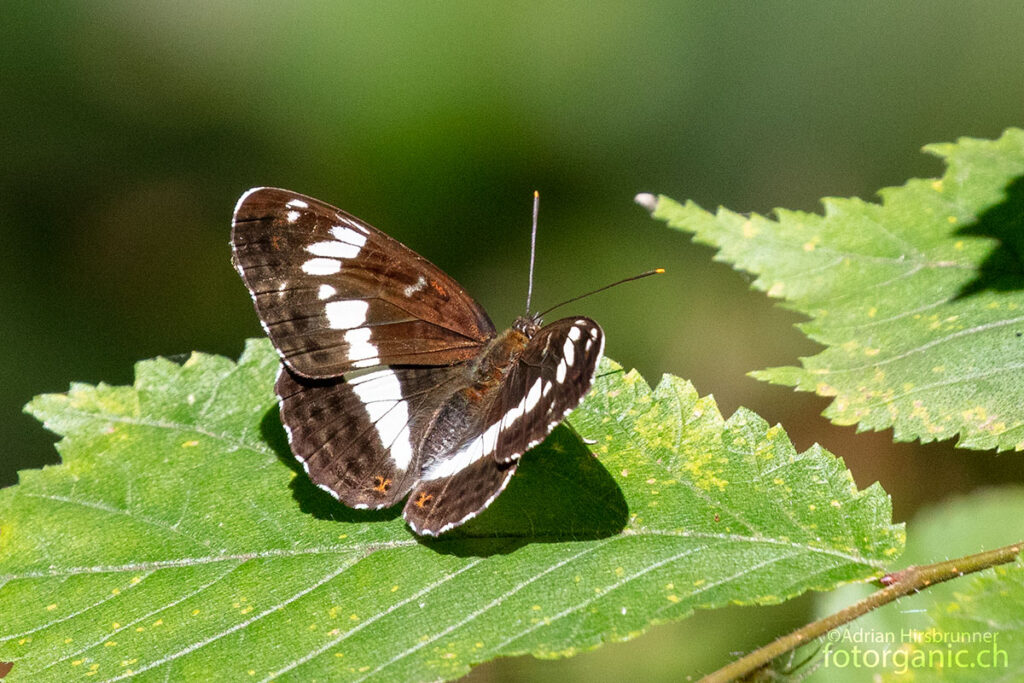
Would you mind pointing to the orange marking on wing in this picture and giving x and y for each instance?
(275, 242)
(423, 499)
(381, 484)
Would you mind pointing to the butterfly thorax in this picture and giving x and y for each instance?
(499, 356)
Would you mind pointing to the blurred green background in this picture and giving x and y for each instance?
(130, 129)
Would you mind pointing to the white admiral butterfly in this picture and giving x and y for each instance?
(393, 378)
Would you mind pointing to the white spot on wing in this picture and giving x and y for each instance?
(574, 333)
(560, 372)
(326, 292)
(359, 345)
(347, 314)
(321, 266)
(333, 249)
(533, 396)
(569, 352)
(293, 216)
(352, 225)
(349, 236)
(381, 395)
(418, 286)
(457, 461)
(298, 204)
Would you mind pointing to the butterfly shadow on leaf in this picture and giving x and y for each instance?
(560, 493)
(313, 500)
(1003, 268)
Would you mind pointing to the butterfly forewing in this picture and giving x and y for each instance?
(553, 375)
(335, 293)
(549, 379)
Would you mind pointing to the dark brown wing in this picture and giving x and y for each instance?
(334, 293)
(552, 376)
(554, 373)
(358, 438)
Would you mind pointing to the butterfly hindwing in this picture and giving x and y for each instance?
(437, 505)
(334, 293)
(358, 437)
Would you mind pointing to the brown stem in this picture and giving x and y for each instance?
(897, 584)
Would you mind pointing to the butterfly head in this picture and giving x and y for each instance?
(528, 324)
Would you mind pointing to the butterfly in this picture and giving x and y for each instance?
(394, 382)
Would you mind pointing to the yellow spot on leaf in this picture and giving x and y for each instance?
(951, 219)
(158, 622)
(777, 290)
(116, 591)
(354, 617)
(190, 444)
(872, 312)
(749, 230)
(619, 571)
(836, 504)
(51, 607)
(110, 643)
(937, 185)
(115, 625)
(394, 588)
(672, 597)
(871, 352)
(195, 612)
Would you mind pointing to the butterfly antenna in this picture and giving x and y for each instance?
(533, 248)
(656, 271)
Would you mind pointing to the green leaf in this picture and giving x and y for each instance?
(989, 602)
(179, 539)
(919, 300)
